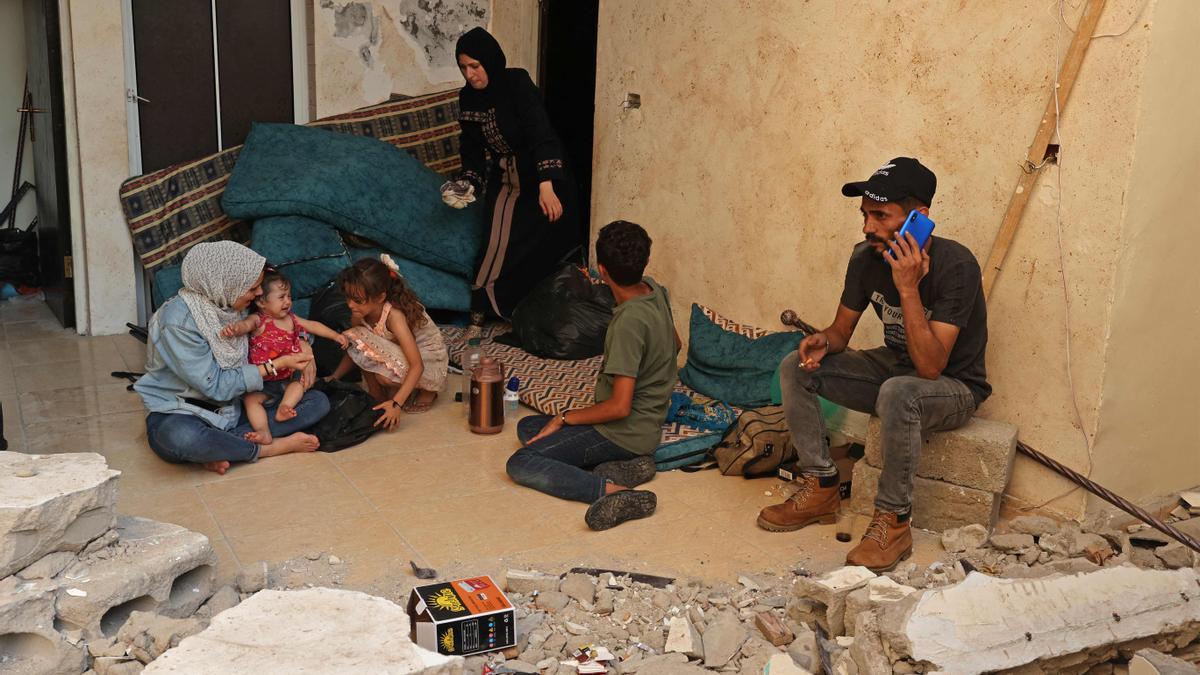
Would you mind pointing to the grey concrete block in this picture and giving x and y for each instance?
(978, 455)
(29, 642)
(155, 567)
(936, 505)
(52, 503)
(290, 631)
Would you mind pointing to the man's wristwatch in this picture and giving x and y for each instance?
(562, 417)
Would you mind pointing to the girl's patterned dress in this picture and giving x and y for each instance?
(375, 349)
(274, 342)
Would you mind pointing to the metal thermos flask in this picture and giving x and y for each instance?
(487, 397)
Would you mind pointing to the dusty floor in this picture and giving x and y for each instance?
(430, 492)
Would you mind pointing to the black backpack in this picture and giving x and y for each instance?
(350, 420)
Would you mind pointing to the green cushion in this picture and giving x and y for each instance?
(168, 279)
(310, 276)
(283, 240)
(732, 367)
(435, 288)
(357, 184)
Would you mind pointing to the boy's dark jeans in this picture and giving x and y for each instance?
(872, 382)
(558, 463)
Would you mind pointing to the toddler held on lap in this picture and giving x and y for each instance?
(275, 332)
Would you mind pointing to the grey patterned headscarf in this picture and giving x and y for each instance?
(216, 274)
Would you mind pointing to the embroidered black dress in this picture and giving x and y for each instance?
(508, 148)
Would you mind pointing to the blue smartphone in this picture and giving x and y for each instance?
(919, 226)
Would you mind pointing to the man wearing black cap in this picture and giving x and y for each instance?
(929, 376)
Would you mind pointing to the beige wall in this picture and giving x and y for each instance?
(1148, 444)
(753, 116)
(365, 65)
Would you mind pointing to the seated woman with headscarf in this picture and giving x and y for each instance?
(195, 378)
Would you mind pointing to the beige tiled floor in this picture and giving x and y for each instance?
(430, 492)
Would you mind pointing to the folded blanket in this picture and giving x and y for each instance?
(357, 184)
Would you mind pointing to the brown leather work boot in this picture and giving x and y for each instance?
(887, 541)
(812, 503)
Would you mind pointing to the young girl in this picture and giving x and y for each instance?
(393, 341)
(274, 332)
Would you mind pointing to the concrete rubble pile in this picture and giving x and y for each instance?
(854, 621)
(80, 587)
(1037, 546)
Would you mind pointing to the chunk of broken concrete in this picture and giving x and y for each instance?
(1174, 555)
(683, 638)
(1057, 615)
(157, 567)
(48, 566)
(782, 664)
(66, 502)
(252, 578)
(1036, 526)
(867, 650)
(148, 635)
(289, 631)
(1012, 543)
(581, 587)
(723, 639)
(830, 591)
(225, 598)
(1059, 544)
(876, 593)
(552, 601)
(1151, 662)
(964, 538)
(528, 581)
(28, 641)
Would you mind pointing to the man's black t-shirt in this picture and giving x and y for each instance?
(952, 293)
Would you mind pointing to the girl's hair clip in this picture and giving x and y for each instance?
(393, 268)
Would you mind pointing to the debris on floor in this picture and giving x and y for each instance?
(310, 630)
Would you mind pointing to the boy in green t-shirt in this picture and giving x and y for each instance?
(597, 454)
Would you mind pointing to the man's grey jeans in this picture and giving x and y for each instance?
(872, 382)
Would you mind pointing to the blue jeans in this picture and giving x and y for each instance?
(873, 382)
(180, 437)
(558, 463)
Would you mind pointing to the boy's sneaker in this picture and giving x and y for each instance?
(613, 509)
(627, 472)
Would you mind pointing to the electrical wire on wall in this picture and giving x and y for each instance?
(1062, 258)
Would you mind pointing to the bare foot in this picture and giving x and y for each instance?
(220, 467)
(297, 442)
(260, 437)
(284, 413)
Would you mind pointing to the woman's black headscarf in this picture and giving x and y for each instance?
(479, 44)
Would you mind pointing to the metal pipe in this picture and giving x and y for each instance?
(1111, 497)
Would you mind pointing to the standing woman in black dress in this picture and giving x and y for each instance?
(511, 155)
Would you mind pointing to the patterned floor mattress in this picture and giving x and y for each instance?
(551, 386)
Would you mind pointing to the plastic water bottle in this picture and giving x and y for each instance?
(470, 359)
(511, 399)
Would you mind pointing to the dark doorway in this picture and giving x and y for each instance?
(43, 54)
(567, 77)
(192, 103)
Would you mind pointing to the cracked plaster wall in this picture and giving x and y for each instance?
(364, 51)
(752, 118)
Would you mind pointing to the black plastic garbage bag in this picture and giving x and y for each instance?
(350, 420)
(564, 317)
(330, 308)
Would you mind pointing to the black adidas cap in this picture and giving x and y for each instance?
(902, 177)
